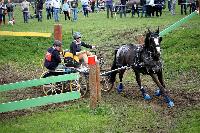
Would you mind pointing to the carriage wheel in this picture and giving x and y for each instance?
(52, 88)
(105, 85)
(74, 85)
(83, 81)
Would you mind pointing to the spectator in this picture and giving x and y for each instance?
(109, 8)
(173, 5)
(169, 4)
(39, 9)
(148, 8)
(56, 8)
(10, 7)
(48, 8)
(123, 8)
(192, 6)
(3, 12)
(66, 9)
(25, 9)
(52, 9)
(152, 7)
(75, 48)
(74, 5)
(143, 4)
(92, 3)
(183, 6)
(52, 57)
(158, 7)
(85, 7)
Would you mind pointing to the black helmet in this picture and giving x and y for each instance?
(57, 43)
(77, 35)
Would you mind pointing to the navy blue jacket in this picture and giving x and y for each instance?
(55, 59)
(77, 47)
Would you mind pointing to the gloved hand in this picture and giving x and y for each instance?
(93, 47)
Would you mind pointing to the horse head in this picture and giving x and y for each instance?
(152, 44)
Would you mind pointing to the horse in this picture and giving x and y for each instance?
(145, 59)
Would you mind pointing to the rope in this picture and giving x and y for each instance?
(108, 72)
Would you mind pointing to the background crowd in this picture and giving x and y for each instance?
(70, 8)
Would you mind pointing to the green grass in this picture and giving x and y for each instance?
(79, 118)
(190, 122)
(68, 119)
(180, 53)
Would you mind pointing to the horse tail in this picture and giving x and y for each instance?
(114, 66)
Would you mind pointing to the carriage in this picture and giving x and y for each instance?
(71, 64)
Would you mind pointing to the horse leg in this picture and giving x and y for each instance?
(120, 86)
(144, 93)
(162, 91)
(112, 77)
(160, 78)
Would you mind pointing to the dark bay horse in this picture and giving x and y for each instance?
(143, 59)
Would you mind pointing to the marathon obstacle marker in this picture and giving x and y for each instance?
(37, 82)
(178, 23)
(39, 101)
(36, 34)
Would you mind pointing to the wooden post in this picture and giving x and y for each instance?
(94, 82)
(98, 85)
(58, 32)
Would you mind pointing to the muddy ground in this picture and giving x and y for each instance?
(183, 98)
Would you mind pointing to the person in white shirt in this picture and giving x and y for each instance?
(56, 6)
(25, 9)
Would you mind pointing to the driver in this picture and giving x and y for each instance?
(75, 48)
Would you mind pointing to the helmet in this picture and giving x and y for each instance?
(57, 43)
(77, 35)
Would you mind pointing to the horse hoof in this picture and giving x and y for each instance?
(120, 88)
(170, 104)
(157, 92)
(147, 97)
(169, 101)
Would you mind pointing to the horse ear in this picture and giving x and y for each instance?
(149, 30)
(160, 39)
(158, 30)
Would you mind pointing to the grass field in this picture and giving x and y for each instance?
(21, 59)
